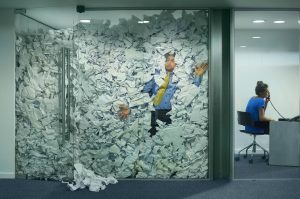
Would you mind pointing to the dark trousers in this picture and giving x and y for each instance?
(263, 125)
(159, 115)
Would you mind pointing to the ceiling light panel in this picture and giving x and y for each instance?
(279, 21)
(258, 21)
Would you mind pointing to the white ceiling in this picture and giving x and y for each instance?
(62, 13)
(243, 19)
(274, 37)
(270, 41)
(62, 17)
(152, 3)
(283, 38)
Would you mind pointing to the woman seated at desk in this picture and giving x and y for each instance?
(256, 107)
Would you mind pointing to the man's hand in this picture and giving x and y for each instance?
(124, 111)
(200, 69)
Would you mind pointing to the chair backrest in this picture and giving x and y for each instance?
(244, 118)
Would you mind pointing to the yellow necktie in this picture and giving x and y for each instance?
(161, 91)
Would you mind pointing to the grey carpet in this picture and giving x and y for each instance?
(152, 189)
(285, 184)
(260, 170)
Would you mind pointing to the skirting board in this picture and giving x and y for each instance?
(7, 175)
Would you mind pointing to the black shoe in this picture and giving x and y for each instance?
(152, 131)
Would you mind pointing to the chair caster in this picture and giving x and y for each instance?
(237, 158)
(245, 156)
(251, 161)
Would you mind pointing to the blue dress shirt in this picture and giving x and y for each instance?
(152, 87)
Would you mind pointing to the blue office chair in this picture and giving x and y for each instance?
(245, 119)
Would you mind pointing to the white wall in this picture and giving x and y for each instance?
(7, 93)
(280, 70)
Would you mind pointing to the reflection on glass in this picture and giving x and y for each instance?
(141, 94)
(126, 95)
(42, 148)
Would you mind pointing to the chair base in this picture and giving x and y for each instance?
(253, 145)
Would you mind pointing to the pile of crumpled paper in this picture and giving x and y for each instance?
(87, 178)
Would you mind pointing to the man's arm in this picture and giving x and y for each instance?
(199, 71)
(197, 81)
(124, 110)
(149, 87)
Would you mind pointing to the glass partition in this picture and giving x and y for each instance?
(43, 137)
(125, 93)
(267, 50)
(124, 59)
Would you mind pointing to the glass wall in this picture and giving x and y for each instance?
(125, 95)
(267, 49)
(43, 140)
(122, 63)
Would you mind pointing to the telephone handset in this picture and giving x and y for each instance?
(268, 97)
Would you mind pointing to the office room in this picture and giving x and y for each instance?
(267, 50)
(82, 89)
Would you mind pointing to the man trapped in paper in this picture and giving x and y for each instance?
(162, 87)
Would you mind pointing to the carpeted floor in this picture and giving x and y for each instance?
(155, 189)
(257, 180)
(260, 170)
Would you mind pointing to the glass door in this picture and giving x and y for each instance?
(44, 146)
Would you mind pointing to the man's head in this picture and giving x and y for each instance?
(170, 62)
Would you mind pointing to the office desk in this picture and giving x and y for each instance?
(284, 143)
